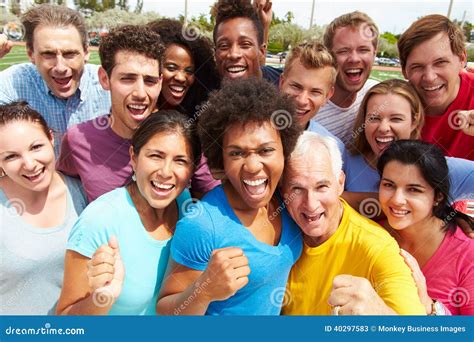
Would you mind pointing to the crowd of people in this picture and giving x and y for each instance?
(183, 176)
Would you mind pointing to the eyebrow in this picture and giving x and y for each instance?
(259, 146)
(131, 74)
(411, 184)
(149, 150)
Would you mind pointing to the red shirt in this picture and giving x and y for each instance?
(441, 130)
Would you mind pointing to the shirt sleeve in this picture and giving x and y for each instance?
(65, 162)
(202, 180)
(193, 240)
(394, 283)
(461, 176)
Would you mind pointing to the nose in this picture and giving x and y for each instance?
(60, 66)
(166, 169)
(429, 74)
(384, 126)
(180, 76)
(139, 90)
(302, 99)
(235, 51)
(28, 163)
(354, 56)
(398, 197)
(311, 202)
(252, 163)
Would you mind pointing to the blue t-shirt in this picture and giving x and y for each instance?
(316, 127)
(360, 177)
(215, 226)
(144, 258)
(271, 74)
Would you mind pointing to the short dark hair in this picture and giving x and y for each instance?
(21, 111)
(205, 71)
(132, 38)
(168, 120)
(431, 163)
(53, 15)
(243, 101)
(230, 9)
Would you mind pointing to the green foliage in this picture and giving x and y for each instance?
(387, 49)
(389, 37)
(115, 17)
(286, 34)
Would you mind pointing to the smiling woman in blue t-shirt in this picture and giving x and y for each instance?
(119, 247)
(234, 254)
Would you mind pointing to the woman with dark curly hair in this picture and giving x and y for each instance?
(189, 69)
(233, 256)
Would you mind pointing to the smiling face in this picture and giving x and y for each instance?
(388, 118)
(405, 197)
(433, 70)
(59, 57)
(310, 89)
(178, 74)
(163, 168)
(355, 56)
(253, 163)
(312, 192)
(27, 155)
(134, 86)
(237, 49)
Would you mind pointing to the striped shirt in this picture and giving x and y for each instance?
(340, 121)
(23, 82)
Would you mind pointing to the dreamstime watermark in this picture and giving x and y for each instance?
(281, 297)
(15, 207)
(459, 297)
(190, 32)
(103, 297)
(281, 119)
(199, 288)
(103, 122)
(369, 120)
(370, 208)
(366, 31)
(285, 203)
(192, 208)
(457, 120)
(46, 330)
(199, 110)
(14, 30)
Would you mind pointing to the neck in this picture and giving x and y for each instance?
(342, 97)
(145, 210)
(118, 128)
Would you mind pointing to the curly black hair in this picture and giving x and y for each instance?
(228, 9)
(243, 101)
(201, 48)
(133, 38)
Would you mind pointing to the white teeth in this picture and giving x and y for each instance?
(301, 111)
(432, 88)
(236, 69)
(384, 140)
(162, 186)
(400, 212)
(354, 71)
(178, 89)
(313, 217)
(255, 182)
(137, 107)
(34, 174)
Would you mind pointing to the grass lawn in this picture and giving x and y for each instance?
(18, 55)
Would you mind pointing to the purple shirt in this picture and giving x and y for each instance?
(93, 152)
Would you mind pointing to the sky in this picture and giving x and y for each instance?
(393, 16)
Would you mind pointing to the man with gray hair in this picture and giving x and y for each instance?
(57, 83)
(350, 265)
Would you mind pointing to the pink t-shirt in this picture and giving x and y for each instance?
(450, 273)
(93, 152)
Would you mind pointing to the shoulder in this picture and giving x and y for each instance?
(22, 69)
(77, 193)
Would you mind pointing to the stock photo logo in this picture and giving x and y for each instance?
(190, 32)
(103, 122)
(192, 208)
(370, 208)
(281, 119)
(281, 297)
(102, 297)
(14, 30)
(456, 120)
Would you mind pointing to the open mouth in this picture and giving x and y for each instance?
(398, 213)
(137, 111)
(256, 188)
(302, 112)
(236, 70)
(313, 218)
(36, 176)
(433, 89)
(384, 142)
(354, 75)
(62, 81)
(177, 90)
(162, 189)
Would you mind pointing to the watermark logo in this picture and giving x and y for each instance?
(281, 119)
(103, 122)
(456, 120)
(370, 208)
(14, 30)
(458, 297)
(366, 31)
(281, 297)
(103, 297)
(190, 32)
(15, 207)
(192, 208)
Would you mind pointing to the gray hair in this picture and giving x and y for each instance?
(306, 144)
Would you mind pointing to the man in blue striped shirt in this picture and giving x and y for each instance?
(58, 83)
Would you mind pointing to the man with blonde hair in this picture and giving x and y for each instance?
(433, 56)
(309, 77)
(352, 39)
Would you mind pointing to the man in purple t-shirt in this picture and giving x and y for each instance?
(97, 151)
